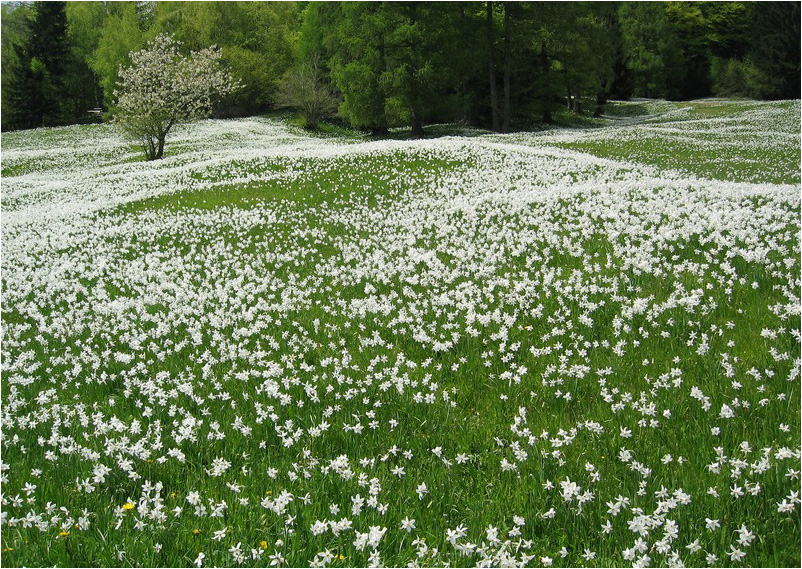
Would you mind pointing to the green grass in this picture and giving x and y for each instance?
(737, 156)
(276, 242)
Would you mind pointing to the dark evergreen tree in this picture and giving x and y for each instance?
(15, 29)
(37, 89)
(653, 51)
(359, 60)
(391, 61)
(491, 66)
(775, 47)
(691, 28)
(418, 70)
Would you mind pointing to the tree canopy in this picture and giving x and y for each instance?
(162, 88)
(389, 64)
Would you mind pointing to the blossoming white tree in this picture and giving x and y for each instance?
(162, 88)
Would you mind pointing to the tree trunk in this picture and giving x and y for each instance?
(601, 99)
(417, 125)
(160, 151)
(544, 94)
(150, 149)
(464, 85)
(492, 69)
(569, 99)
(577, 102)
(505, 125)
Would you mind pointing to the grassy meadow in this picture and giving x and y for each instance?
(570, 347)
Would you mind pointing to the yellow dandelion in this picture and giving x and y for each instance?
(7, 549)
(128, 506)
(263, 544)
(173, 494)
(269, 493)
(341, 557)
(196, 531)
(63, 534)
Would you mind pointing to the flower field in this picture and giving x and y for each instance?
(575, 347)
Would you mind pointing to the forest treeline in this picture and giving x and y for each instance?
(386, 64)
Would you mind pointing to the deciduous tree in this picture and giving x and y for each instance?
(162, 88)
(305, 89)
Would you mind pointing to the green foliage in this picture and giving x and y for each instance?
(15, 26)
(728, 28)
(654, 53)
(120, 34)
(689, 25)
(737, 78)
(683, 50)
(776, 47)
(410, 63)
(304, 89)
(36, 87)
(396, 63)
(84, 22)
(414, 71)
(358, 64)
(256, 39)
(364, 98)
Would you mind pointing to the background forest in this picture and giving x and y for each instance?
(384, 64)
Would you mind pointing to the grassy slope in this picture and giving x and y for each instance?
(477, 493)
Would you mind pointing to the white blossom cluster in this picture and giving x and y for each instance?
(448, 351)
(161, 88)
